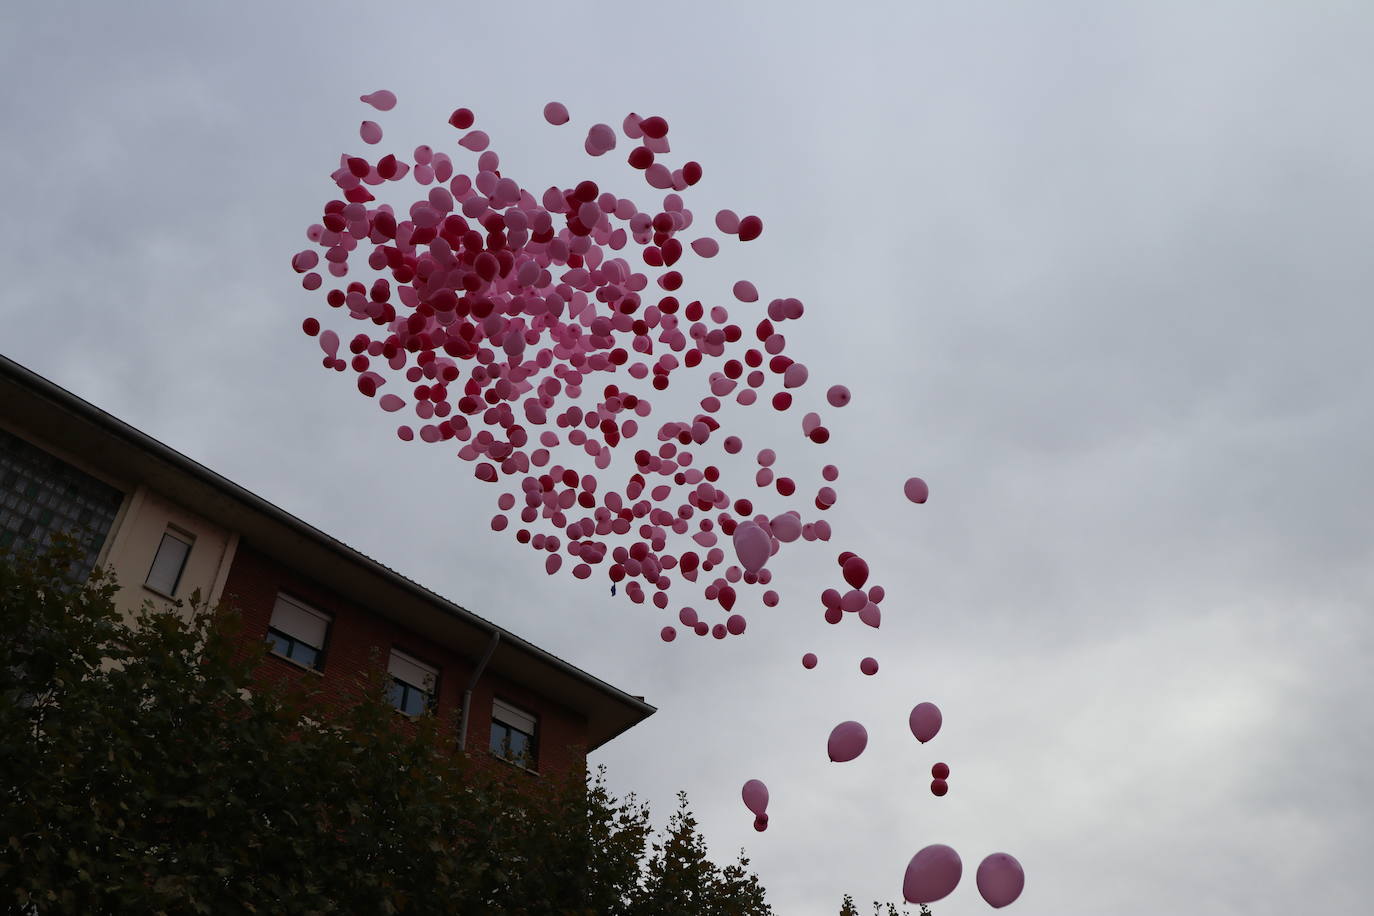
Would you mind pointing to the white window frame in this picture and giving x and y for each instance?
(297, 630)
(414, 674)
(181, 537)
(517, 719)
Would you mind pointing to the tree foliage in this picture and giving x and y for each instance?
(145, 769)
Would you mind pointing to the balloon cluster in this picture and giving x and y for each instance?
(535, 329)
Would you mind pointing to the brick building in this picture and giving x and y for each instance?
(170, 527)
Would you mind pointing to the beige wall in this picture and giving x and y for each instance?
(134, 543)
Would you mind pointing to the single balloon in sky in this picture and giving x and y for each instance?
(916, 490)
(932, 874)
(925, 721)
(847, 741)
(1000, 879)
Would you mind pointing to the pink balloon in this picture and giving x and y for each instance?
(727, 221)
(475, 140)
(916, 490)
(872, 615)
(1000, 879)
(932, 874)
(869, 666)
(735, 624)
(556, 113)
(830, 473)
(755, 795)
(371, 132)
(925, 721)
(382, 99)
(786, 527)
(745, 291)
(809, 660)
(838, 395)
(706, 247)
(847, 741)
(667, 634)
(752, 546)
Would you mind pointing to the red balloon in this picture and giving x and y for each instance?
(667, 634)
(938, 787)
(916, 490)
(750, 228)
(869, 666)
(940, 771)
(809, 660)
(856, 572)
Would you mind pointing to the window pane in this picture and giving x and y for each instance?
(396, 693)
(415, 702)
(302, 653)
(499, 736)
(168, 564)
(279, 644)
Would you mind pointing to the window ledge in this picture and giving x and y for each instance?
(159, 592)
(511, 763)
(295, 664)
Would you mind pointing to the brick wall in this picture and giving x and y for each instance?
(251, 588)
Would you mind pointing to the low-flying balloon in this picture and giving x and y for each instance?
(755, 795)
(1000, 879)
(932, 874)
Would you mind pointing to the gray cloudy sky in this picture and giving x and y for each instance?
(1100, 272)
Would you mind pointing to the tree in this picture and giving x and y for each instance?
(146, 769)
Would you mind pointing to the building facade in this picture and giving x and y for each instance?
(171, 529)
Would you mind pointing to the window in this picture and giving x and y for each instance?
(412, 683)
(512, 734)
(42, 496)
(297, 632)
(165, 574)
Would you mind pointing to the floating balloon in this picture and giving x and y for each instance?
(761, 823)
(755, 795)
(668, 634)
(1000, 879)
(940, 771)
(916, 490)
(925, 721)
(838, 395)
(847, 741)
(556, 113)
(938, 787)
(382, 99)
(869, 666)
(932, 874)
(752, 546)
(809, 660)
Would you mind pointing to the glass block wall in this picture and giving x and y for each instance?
(42, 496)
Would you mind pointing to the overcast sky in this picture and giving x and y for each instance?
(1099, 272)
